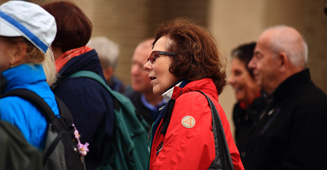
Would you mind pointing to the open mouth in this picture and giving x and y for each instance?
(237, 89)
(152, 78)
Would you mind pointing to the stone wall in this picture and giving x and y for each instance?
(127, 22)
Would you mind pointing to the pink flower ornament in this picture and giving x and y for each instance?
(82, 148)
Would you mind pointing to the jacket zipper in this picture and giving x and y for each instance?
(159, 148)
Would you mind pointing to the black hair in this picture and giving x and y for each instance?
(244, 53)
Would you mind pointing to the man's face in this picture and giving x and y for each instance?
(264, 64)
(140, 81)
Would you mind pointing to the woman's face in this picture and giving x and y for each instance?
(244, 85)
(161, 78)
(5, 55)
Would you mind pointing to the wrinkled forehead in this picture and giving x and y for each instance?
(265, 37)
(141, 54)
(263, 42)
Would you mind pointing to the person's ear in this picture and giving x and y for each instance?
(18, 54)
(283, 62)
(108, 72)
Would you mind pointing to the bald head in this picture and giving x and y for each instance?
(145, 45)
(140, 81)
(289, 41)
(280, 52)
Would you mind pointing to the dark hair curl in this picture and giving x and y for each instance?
(244, 52)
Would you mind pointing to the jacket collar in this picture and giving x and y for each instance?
(290, 85)
(167, 95)
(205, 85)
(23, 74)
(86, 61)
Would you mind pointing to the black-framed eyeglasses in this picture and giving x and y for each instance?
(155, 54)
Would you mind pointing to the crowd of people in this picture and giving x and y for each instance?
(176, 78)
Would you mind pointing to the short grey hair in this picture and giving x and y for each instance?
(294, 46)
(107, 50)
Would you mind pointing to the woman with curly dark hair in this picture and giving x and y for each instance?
(185, 60)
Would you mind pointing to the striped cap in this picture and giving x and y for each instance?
(19, 18)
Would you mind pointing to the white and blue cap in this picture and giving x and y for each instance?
(19, 18)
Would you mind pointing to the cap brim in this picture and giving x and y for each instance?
(8, 30)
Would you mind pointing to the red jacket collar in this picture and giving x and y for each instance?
(205, 85)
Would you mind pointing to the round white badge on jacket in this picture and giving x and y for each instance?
(188, 121)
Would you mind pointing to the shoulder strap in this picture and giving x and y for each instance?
(121, 103)
(219, 135)
(65, 113)
(98, 78)
(34, 99)
(92, 75)
(223, 158)
(42, 105)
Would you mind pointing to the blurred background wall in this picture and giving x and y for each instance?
(236, 21)
(232, 22)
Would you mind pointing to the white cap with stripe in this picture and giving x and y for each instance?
(19, 18)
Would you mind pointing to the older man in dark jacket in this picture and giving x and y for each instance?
(291, 132)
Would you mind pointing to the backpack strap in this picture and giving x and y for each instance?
(167, 115)
(35, 99)
(45, 109)
(222, 150)
(98, 78)
(92, 75)
(65, 113)
(62, 126)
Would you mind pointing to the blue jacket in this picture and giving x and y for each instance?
(90, 104)
(22, 113)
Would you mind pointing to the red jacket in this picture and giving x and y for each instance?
(187, 147)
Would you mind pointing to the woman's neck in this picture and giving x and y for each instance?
(251, 97)
(57, 52)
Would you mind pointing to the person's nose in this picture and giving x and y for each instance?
(134, 69)
(231, 80)
(251, 64)
(147, 66)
